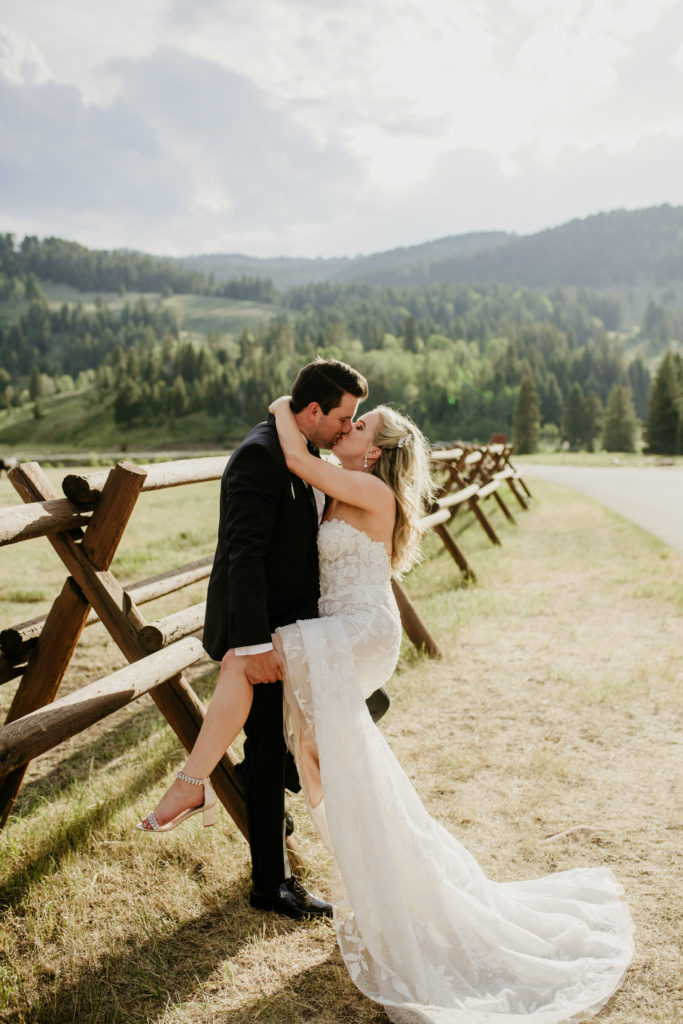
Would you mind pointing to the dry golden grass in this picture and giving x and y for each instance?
(557, 703)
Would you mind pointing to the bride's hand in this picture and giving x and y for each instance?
(279, 402)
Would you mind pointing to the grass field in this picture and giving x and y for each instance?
(84, 421)
(557, 703)
(199, 314)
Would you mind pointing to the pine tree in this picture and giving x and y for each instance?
(593, 418)
(551, 401)
(178, 397)
(574, 419)
(128, 400)
(33, 289)
(35, 383)
(639, 378)
(664, 408)
(620, 421)
(527, 421)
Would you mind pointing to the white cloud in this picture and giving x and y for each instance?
(326, 126)
(21, 62)
(189, 156)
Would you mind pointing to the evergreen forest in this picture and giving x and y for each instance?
(544, 364)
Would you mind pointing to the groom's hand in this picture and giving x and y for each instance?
(263, 668)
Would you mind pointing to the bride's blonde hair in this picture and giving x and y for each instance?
(403, 464)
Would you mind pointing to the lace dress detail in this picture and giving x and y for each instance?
(421, 928)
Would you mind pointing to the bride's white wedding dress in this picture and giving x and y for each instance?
(421, 928)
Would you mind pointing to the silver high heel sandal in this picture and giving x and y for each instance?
(208, 808)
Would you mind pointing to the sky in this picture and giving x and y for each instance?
(332, 127)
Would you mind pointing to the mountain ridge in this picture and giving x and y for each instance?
(621, 250)
(613, 248)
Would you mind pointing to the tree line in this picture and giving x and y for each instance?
(453, 356)
(618, 249)
(89, 270)
(584, 419)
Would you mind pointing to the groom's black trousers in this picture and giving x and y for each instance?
(263, 777)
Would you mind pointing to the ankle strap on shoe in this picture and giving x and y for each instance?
(186, 778)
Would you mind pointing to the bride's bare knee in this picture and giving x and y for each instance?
(233, 669)
(229, 660)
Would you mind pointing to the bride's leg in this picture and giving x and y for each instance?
(305, 753)
(225, 716)
(310, 769)
(312, 784)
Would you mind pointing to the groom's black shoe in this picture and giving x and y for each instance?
(378, 704)
(291, 900)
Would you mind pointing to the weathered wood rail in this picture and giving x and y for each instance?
(85, 527)
(468, 475)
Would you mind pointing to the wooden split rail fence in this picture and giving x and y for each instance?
(467, 476)
(85, 527)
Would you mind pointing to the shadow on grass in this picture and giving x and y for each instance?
(142, 981)
(99, 752)
(76, 833)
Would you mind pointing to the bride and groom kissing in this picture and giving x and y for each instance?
(301, 614)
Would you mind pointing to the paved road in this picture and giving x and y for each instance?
(651, 496)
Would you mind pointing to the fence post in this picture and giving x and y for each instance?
(413, 624)
(442, 530)
(64, 624)
(88, 563)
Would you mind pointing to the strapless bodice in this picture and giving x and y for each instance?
(356, 599)
(350, 562)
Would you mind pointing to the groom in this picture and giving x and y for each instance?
(265, 575)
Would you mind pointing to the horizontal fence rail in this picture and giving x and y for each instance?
(23, 522)
(84, 488)
(16, 642)
(44, 728)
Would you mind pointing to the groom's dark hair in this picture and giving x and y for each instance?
(326, 381)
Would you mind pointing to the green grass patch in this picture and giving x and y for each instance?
(23, 596)
(200, 314)
(84, 422)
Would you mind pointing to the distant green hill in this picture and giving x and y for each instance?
(289, 272)
(405, 265)
(83, 421)
(107, 350)
(198, 314)
(284, 271)
(621, 249)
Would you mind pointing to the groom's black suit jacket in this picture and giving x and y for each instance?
(265, 571)
(265, 575)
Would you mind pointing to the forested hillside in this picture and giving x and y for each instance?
(453, 355)
(382, 267)
(621, 249)
(54, 259)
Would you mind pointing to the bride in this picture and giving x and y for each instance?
(422, 930)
